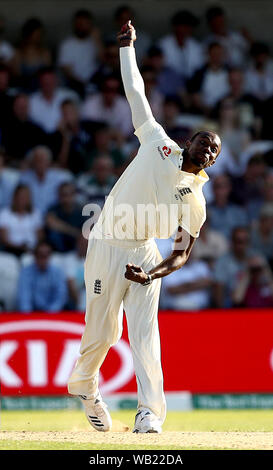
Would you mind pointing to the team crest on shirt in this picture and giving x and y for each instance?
(164, 151)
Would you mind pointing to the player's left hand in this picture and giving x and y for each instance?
(135, 273)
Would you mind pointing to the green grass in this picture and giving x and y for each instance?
(74, 420)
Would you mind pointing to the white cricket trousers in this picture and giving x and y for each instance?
(108, 292)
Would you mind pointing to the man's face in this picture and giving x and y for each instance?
(240, 242)
(82, 27)
(42, 256)
(204, 149)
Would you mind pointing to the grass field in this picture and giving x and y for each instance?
(198, 429)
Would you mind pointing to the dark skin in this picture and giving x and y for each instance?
(200, 152)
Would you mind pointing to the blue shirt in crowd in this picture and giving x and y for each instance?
(41, 290)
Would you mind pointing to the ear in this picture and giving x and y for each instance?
(188, 143)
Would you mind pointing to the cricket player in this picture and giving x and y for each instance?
(123, 268)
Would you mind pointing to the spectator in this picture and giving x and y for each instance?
(171, 114)
(245, 103)
(168, 81)
(31, 55)
(19, 134)
(41, 286)
(181, 51)
(74, 268)
(154, 96)
(5, 94)
(20, 225)
(78, 54)
(64, 220)
(122, 15)
(210, 245)
(235, 43)
(45, 104)
(255, 287)
(262, 233)
(9, 271)
(210, 83)
(110, 107)
(76, 137)
(105, 144)
(6, 49)
(109, 64)
(229, 267)
(259, 75)
(248, 189)
(224, 215)
(8, 180)
(188, 288)
(42, 179)
(94, 185)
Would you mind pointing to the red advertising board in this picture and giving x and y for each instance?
(205, 352)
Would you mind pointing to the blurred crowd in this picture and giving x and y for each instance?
(66, 136)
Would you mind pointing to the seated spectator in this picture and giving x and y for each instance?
(45, 104)
(5, 94)
(210, 245)
(233, 134)
(42, 179)
(255, 287)
(187, 288)
(41, 286)
(31, 55)
(248, 189)
(110, 107)
(181, 50)
(74, 269)
(235, 43)
(9, 271)
(76, 136)
(229, 267)
(19, 134)
(64, 220)
(168, 81)
(247, 105)
(171, 121)
(94, 185)
(104, 144)
(20, 225)
(122, 15)
(8, 180)
(6, 49)
(109, 65)
(210, 83)
(262, 233)
(259, 75)
(154, 96)
(79, 53)
(224, 215)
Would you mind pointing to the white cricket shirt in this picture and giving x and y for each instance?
(153, 196)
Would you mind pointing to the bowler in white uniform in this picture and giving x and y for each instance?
(160, 193)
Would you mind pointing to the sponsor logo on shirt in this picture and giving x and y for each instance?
(97, 286)
(164, 151)
(182, 192)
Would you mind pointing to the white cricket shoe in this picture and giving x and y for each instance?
(97, 413)
(146, 421)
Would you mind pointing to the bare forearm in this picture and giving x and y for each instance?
(168, 265)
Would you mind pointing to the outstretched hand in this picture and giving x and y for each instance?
(135, 273)
(127, 33)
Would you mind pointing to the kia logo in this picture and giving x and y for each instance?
(39, 355)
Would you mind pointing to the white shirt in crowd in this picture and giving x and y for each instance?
(214, 87)
(80, 55)
(45, 193)
(260, 84)
(117, 116)
(191, 272)
(73, 267)
(47, 114)
(21, 228)
(185, 60)
(6, 51)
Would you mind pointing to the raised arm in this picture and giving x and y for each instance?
(131, 77)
